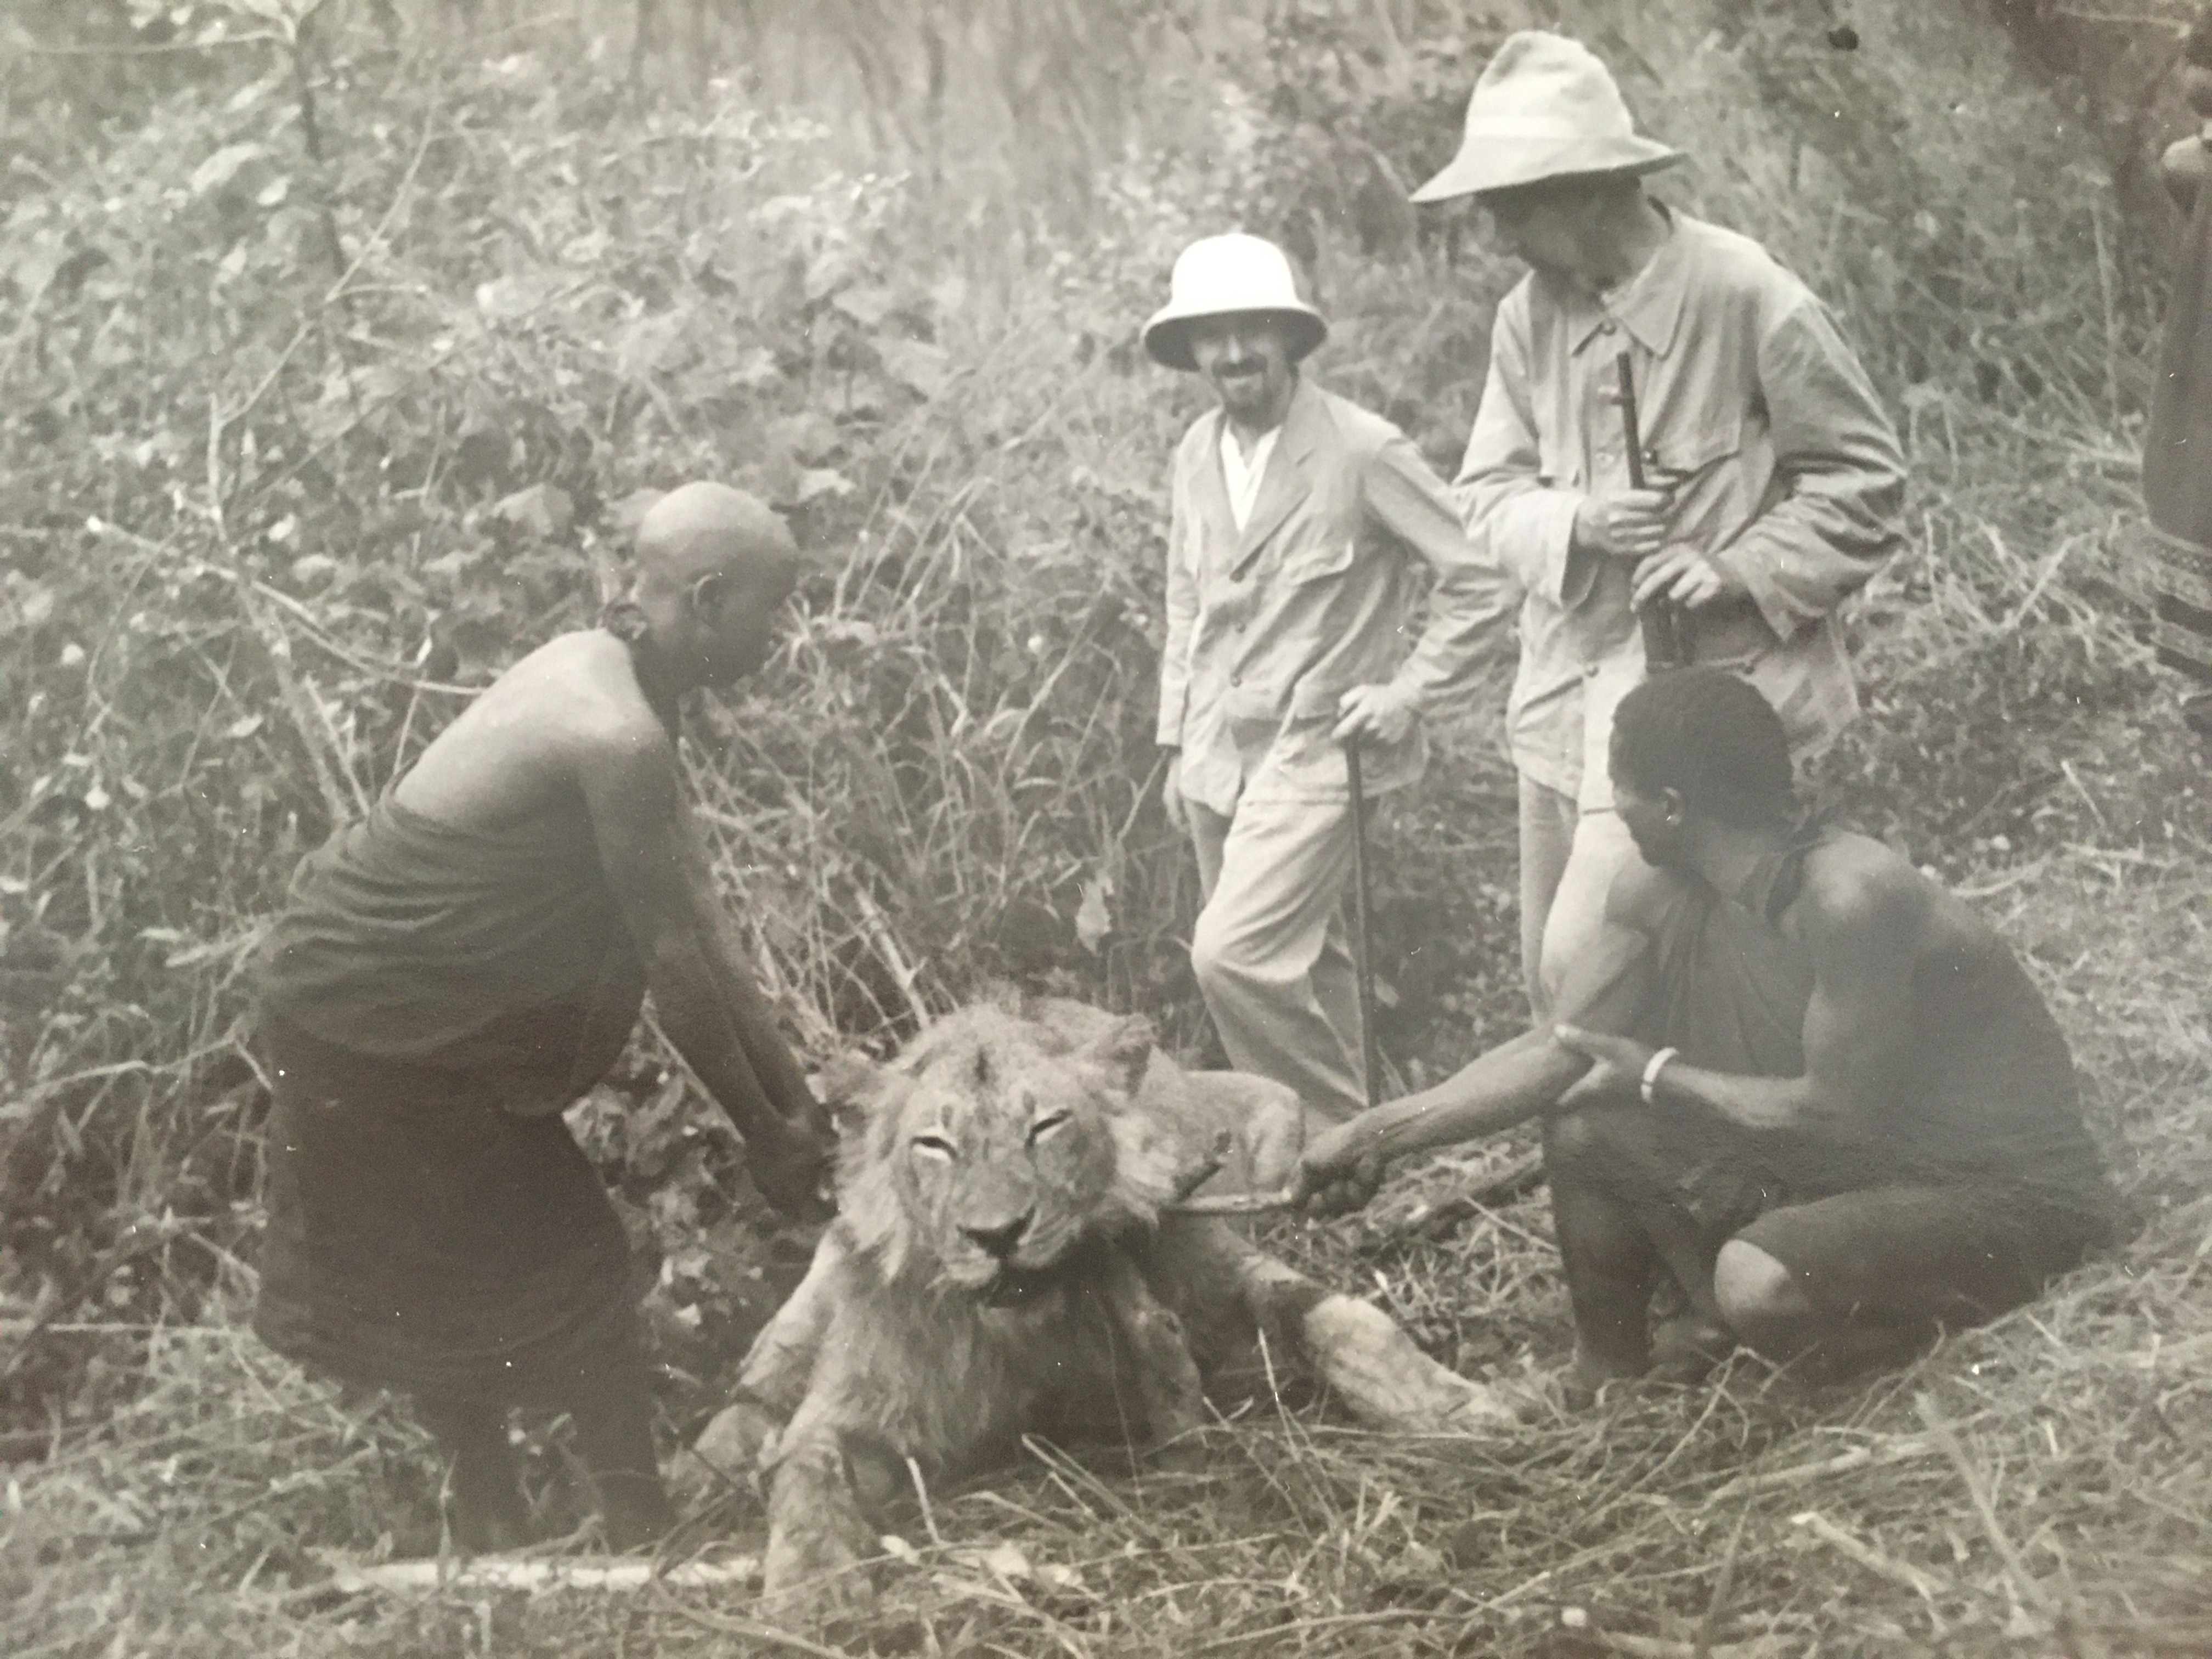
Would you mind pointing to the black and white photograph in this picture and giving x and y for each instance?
(1105, 828)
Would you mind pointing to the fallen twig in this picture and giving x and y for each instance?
(1923, 1583)
(1659, 1647)
(1897, 1449)
(1717, 1603)
(1522, 1175)
(752, 1632)
(2025, 1584)
(540, 1575)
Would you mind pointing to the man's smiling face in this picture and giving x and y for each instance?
(1245, 357)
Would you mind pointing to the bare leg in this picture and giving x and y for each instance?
(1619, 1222)
(612, 1411)
(1762, 1301)
(487, 1511)
(1611, 1266)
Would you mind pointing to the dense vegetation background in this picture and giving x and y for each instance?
(339, 341)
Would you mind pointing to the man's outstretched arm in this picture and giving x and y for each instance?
(704, 994)
(1507, 1086)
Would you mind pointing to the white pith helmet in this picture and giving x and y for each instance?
(1221, 276)
(1544, 107)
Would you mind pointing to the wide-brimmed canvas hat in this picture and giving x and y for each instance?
(1219, 276)
(1544, 108)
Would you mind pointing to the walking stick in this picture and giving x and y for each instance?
(1364, 971)
(1363, 958)
(1661, 620)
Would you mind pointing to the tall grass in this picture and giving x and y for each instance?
(266, 512)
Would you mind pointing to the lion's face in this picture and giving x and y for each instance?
(988, 1148)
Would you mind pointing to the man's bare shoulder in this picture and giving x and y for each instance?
(577, 696)
(582, 681)
(1854, 884)
(604, 714)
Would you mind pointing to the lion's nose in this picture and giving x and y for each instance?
(1000, 1241)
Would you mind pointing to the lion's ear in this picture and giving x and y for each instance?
(849, 1087)
(844, 1079)
(1122, 1052)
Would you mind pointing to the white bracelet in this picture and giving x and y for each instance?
(1651, 1073)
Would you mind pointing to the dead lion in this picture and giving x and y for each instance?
(1004, 1261)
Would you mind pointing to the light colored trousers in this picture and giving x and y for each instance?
(1271, 951)
(1569, 858)
(1572, 847)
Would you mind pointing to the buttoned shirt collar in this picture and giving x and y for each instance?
(1647, 305)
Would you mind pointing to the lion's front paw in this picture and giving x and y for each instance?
(728, 1453)
(1387, 1382)
(816, 1578)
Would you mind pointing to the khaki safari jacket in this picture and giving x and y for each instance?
(1789, 475)
(1267, 629)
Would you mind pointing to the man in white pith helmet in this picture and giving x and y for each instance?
(1775, 484)
(1299, 525)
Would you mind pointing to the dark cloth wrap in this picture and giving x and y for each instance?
(431, 998)
(423, 1238)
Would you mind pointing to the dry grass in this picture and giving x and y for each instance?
(927, 800)
(2040, 1485)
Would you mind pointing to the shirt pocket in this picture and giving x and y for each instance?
(1317, 559)
(1249, 701)
(1702, 470)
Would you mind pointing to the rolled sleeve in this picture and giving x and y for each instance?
(1471, 605)
(1843, 471)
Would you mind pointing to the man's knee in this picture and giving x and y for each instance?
(1594, 1144)
(1222, 954)
(1210, 958)
(1755, 1289)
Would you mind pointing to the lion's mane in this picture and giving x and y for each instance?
(992, 1064)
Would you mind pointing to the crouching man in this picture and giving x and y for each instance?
(1792, 1072)
(451, 973)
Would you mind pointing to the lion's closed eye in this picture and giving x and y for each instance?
(1045, 1125)
(936, 1144)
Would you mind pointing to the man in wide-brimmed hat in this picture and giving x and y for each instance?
(1299, 523)
(1775, 481)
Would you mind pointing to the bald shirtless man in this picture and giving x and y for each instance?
(452, 972)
